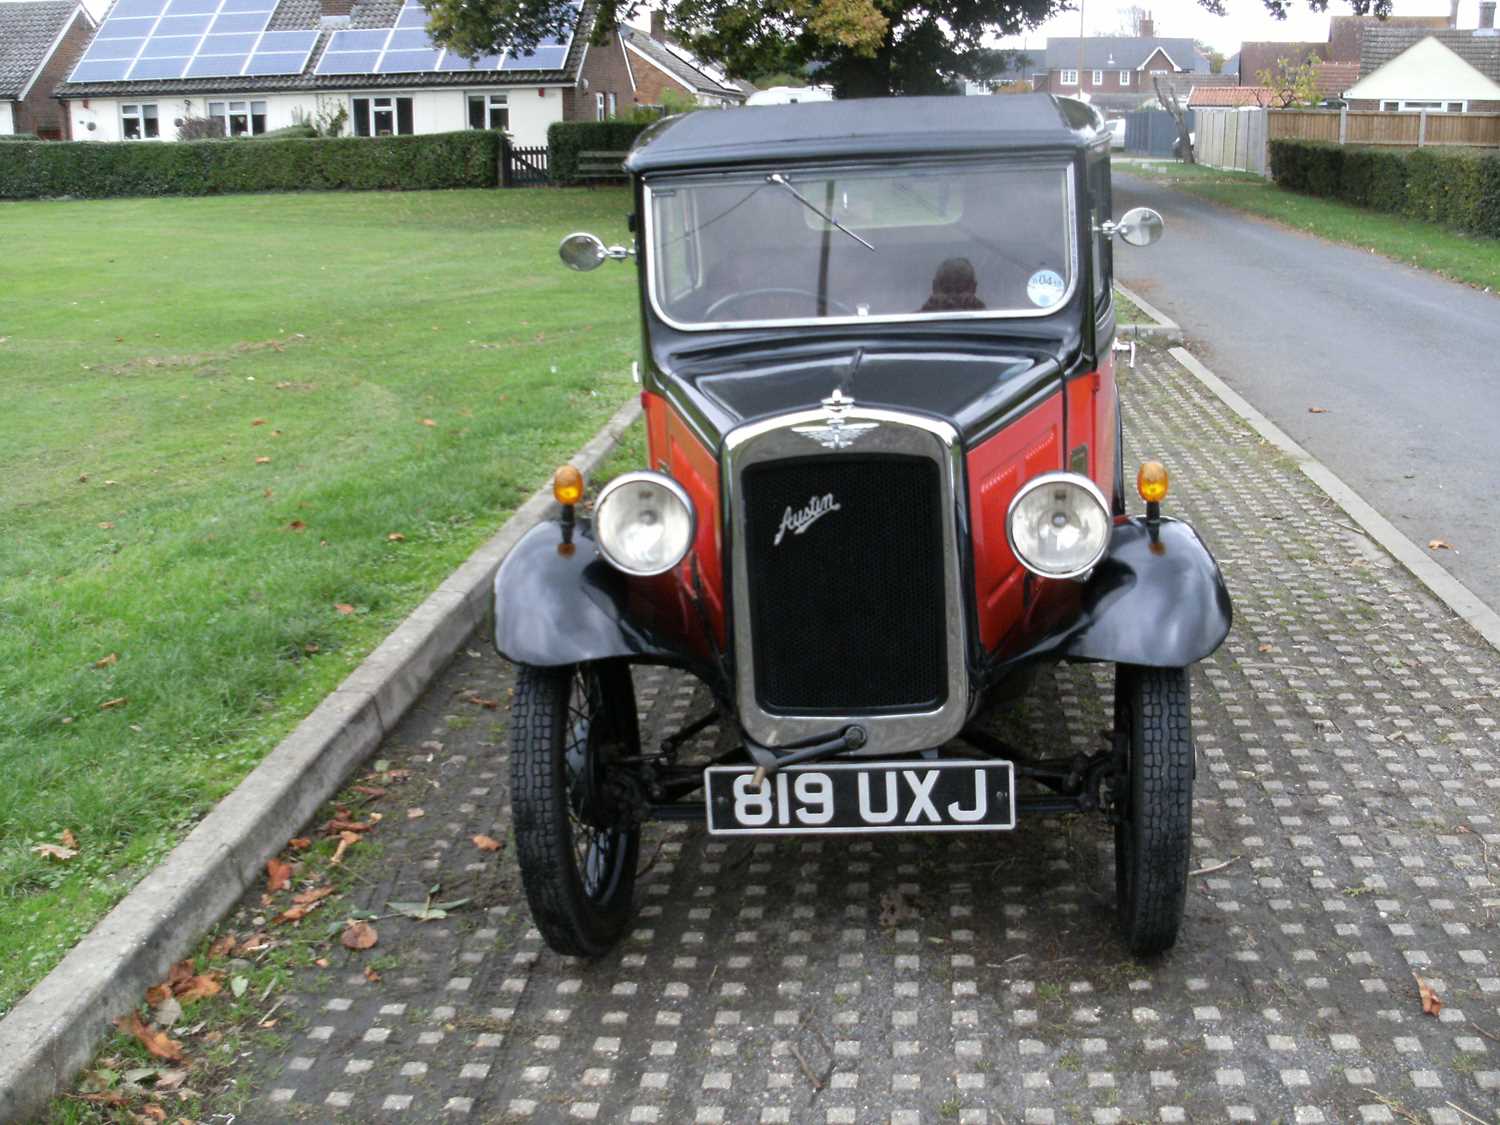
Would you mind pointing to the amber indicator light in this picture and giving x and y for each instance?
(567, 486)
(1151, 482)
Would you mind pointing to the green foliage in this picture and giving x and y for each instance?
(19, 137)
(1292, 84)
(440, 160)
(192, 128)
(566, 139)
(284, 132)
(1458, 188)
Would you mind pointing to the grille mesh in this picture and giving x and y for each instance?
(848, 615)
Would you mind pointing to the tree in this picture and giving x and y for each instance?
(1166, 94)
(1291, 84)
(866, 47)
(1215, 58)
(1132, 19)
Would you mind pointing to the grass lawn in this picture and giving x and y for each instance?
(242, 438)
(1127, 311)
(1467, 258)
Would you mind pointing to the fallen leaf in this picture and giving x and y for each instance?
(262, 460)
(413, 814)
(278, 875)
(254, 944)
(238, 986)
(222, 947)
(107, 1097)
(345, 839)
(480, 701)
(296, 525)
(428, 911)
(371, 791)
(168, 1012)
(1439, 545)
(396, 537)
(306, 897)
(359, 935)
(154, 1112)
(344, 824)
(301, 843)
(310, 648)
(54, 851)
(158, 1043)
(321, 962)
(199, 988)
(344, 608)
(428, 422)
(117, 702)
(169, 1079)
(1317, 410)
(1267, 648)
(67, 839)
(258, 422)
(371, 975)
(292, 914)
(106, 661)
(1432, 1004)
(158, 994)
(486, 843)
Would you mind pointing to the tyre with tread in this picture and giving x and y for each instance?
(576, 843)
(1153, 835)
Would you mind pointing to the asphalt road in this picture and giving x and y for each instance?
(1405, 364)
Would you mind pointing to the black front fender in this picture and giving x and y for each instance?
(1157, 599)
(557, 601)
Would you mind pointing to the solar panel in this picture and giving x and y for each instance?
(163, 39)
(160, 39)
(406, 49)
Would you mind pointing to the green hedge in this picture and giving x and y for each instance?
(566, 139)
(19, 137)
(1458, 188)
(96, 170)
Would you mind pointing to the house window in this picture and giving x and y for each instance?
(139, 122)
(611, 103)
(239, 118)
(1068, 78)
(489, 111)
(598, 107)
(1098, 78)
(1124, 78)
(382, 117)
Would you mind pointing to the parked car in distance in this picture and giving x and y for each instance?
(885, 483)
(1117, 132)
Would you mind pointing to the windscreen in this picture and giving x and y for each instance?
(805, 244)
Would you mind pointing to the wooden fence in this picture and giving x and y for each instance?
(1368, 127)
(1231, 138)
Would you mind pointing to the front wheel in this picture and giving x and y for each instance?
(1153, 835)
(577, 841)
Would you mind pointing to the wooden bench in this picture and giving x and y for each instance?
(597, 165)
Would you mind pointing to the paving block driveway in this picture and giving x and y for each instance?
(1345, 831)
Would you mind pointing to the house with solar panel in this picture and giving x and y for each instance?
(40, 40)
(260, 65)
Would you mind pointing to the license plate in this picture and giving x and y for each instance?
(859, 797)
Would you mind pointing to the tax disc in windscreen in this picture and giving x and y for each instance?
(1045, 288)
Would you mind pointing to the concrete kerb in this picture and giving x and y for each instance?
(1447, 589)
(55, 1029)
(1165, 330)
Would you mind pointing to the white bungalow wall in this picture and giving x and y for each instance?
(532, 110)
(7, 119)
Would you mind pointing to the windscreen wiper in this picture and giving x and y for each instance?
(781, 181)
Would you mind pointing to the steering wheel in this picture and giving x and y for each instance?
(772, 291)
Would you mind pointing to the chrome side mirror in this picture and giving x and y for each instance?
(1140, 226)
(584, 252)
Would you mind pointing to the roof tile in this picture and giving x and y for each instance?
(28, 28)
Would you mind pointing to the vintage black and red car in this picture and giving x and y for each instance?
(885, 483)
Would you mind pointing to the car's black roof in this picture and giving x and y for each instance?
(884, 127)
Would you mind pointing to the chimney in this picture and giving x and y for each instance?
(335, 13)
(1487, 15)
(1453, 15)
(1148, 27)
(658, 24)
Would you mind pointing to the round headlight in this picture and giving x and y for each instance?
(643, 523)
(1058, 525)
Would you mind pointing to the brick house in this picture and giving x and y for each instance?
(40, 40)
(260, 65)
(1115, 71)
(658, 64)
